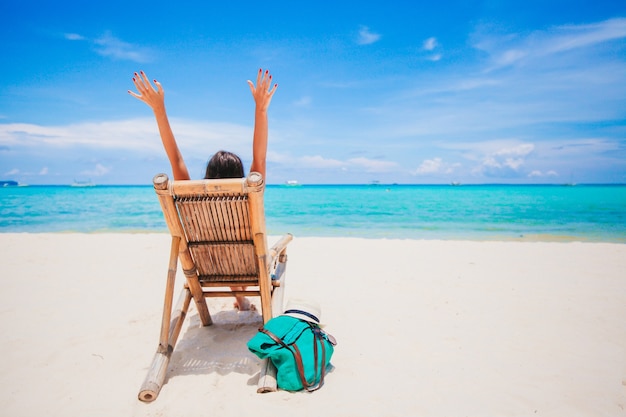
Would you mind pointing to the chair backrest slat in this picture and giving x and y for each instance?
(224, 259)
(215, 219)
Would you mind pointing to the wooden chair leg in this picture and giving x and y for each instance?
(157, 372)
(170, 328)
(267, 378)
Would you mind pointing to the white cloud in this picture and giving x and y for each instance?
(14, 171)
(74, 37)
(537, 173)
(429, 166)
(130, 134)
(505, 162)
(435, 57)
(510, 57)
(98, 171)
(519, 150)
(133, 135)
(507, 50)
(110, 46)
(572, 36)
(366, 37)
(435, 166)
(430, 44)
(44, 171)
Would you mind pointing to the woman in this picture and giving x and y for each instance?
(223, 164)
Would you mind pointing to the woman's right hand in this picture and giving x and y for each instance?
(264, 90)
(153, 98)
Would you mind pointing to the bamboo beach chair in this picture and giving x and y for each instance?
(218, 234)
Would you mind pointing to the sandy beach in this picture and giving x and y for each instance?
(425, 328)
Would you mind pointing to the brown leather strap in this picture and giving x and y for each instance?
(273, 337)
(300, 366)
(318, 337)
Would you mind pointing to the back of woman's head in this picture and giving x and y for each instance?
(224, 165)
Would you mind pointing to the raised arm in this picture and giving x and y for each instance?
(262, 94)
(156, 101)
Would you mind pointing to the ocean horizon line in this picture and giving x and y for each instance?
(454, 184)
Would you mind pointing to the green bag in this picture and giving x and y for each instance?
(299, 350)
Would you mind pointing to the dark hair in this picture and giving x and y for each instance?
(224, 165)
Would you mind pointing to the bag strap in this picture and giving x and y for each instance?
(298, 356)
(317, 337)
(273, 337)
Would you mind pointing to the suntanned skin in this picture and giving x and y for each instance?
(262, 93)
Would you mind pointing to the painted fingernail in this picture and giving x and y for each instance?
(133, 78)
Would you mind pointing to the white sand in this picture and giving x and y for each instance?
(425, 328)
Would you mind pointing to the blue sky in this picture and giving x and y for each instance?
(396, 92)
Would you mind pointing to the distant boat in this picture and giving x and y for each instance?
(292, 183)
(83, 184)
(571, 182)
(455, 183)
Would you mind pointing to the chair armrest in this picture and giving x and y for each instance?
(279, 247)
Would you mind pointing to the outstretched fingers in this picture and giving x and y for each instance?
(263, 82)
(266, 82)
(146, 91)
(141, 82)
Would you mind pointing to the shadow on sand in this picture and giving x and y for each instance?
(219, 348)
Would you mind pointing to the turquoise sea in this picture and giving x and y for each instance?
(477, 212)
